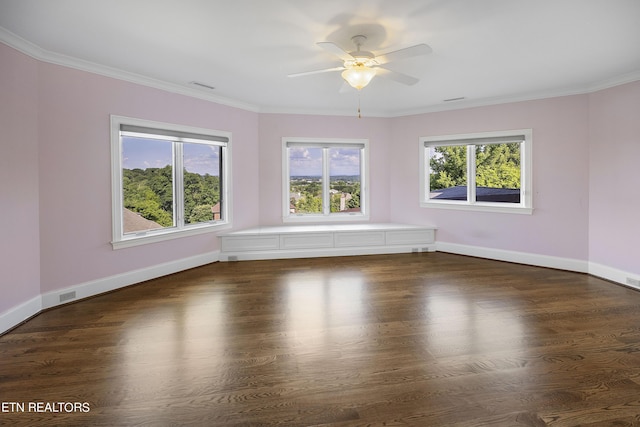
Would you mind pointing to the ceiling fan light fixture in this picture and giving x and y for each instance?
(358, 75)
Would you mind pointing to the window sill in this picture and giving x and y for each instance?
(154, 237)
(479, 207)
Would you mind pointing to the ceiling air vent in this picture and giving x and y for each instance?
(203, 85)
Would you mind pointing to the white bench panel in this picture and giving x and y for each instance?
(413, 237)
(325, 240)
(306, 240)
(359, 238)
(250, 243)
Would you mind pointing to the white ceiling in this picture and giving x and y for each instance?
(486, 51)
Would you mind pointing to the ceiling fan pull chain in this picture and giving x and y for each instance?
(359, 115)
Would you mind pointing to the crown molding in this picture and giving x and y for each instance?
(532, 96)
(26, 47)
(485, 102)
(614, 81)
(36, 52)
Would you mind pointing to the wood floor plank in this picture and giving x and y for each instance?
(429, 339)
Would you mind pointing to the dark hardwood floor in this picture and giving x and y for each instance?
(414, 339)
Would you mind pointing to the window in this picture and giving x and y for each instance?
(485, 171)
(324, 180)
(167, 181)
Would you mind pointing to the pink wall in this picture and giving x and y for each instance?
(75, 172)
(559, 224)
(273, 127)
(19, 233)
(55, 174)
(614, 184)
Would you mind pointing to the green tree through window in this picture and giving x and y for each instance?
(324, 179)
(448, 166)
(487, 171)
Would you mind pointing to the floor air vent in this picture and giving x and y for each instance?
(68, 296)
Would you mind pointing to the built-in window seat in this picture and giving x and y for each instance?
(305, 241)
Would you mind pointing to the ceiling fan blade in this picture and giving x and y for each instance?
(396, 76)
(408, 52)
(308, 73)
(336, 50)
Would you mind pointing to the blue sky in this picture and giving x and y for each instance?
(307, 161)
(202, 159)
(142, 153)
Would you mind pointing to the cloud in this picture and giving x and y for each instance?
(202, 159)
(305, 161)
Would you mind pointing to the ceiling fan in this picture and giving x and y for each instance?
(360, 66)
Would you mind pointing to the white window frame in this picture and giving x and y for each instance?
(326, 216)
(470, 140)
(121, 240)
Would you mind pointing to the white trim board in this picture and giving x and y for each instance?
(99, 286)
(538, 260)
(615, 275)
(611, 274)
(319, 253)
(526, 258)
(16, 315)
(40, 54)
(28, 48)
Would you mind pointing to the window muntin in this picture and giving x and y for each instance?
(324, 180)
(168, 181)
(488, 171)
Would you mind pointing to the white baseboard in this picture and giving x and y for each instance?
(24, 311)
(20, 313)
(321, 252)
(568, 264)
(99, 286)
(615, 275)
(16, 315)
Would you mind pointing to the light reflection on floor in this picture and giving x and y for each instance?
(316, 300)
(173, 344)
(460, 325)
(323, 318)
